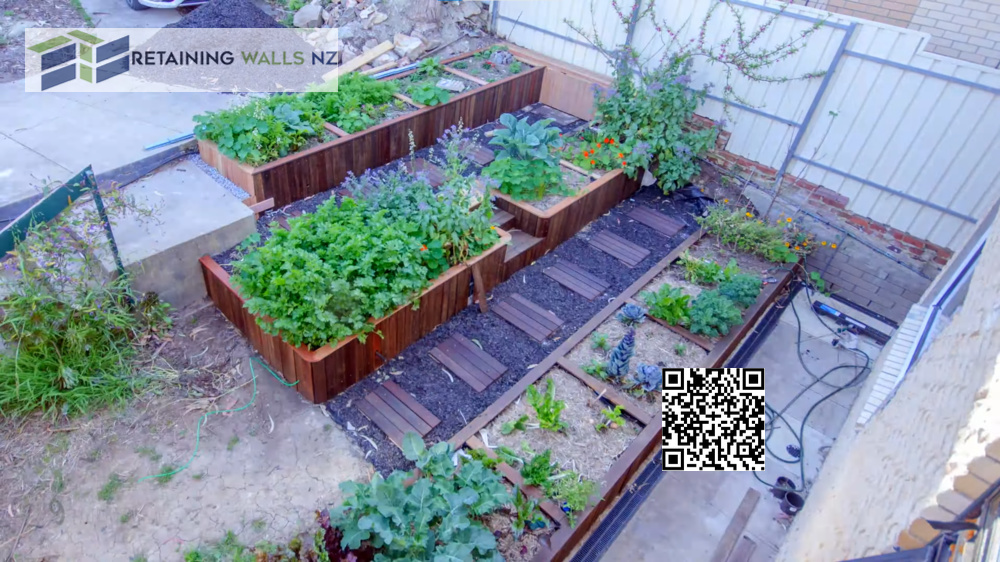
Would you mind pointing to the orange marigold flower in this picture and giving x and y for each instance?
(834, 246)
(787, 244)
(725, 200)
(607, 141)
(624, 164)
(797, 248)
(621, 155)
(823, 243)
(493, 228)
(592, 162)
(749, 214)
(789, 219)
(612, 141)
(423, 248)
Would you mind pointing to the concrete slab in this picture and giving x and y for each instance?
(25, 172)
(169, 110)
(196, 217)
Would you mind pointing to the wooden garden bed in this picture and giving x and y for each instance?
(325, 372)
(563, 220)
(322, 167)
(639, 450)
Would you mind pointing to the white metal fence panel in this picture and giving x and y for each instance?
(933, 139)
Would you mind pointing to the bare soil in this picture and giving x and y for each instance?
(51, 13)
(260, 472)
(579, 447)
(654, 345)
(491, 73)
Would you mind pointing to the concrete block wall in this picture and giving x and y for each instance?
(968, 30)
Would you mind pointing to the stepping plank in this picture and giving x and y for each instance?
(502, 219)
(477, 152)
(528, 317)
(397, 413)
(575, 279)
(520, 242)
(468, 362)
(628, 253)
(659, 222)
(561, 117)
(435, 175)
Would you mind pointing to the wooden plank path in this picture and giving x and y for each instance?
(628, 253)
(528, 317)
(668, 226)
(469, 363)
(577, 279)
(435, 175)
(396, 412)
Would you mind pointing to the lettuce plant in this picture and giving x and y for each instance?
(547, 408)
(669, 304)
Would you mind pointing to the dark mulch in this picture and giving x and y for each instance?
(227, 14)
(455, 403)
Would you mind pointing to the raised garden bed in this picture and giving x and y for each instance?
(629, 449)
(322, 167)
(329, 370)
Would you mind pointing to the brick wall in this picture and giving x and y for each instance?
(964, 29)
(877, 267)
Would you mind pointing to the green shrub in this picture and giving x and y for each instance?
(783, 242)
(527, 164)
(713, 315)
(742, 289)
(437, 517)
(705, 271)
(359, 102)
(669, 304)
(262, 130)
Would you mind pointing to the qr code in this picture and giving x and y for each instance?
(713, 419)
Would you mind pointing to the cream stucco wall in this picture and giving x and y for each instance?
(877, 480)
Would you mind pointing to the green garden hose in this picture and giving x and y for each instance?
(201, 421)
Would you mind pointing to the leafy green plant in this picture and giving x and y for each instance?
(527, 163)
(527, 512)
(539, 470)
(590, 152)
(669, 304)
(436, 517)
(618, 361)
(575, 493)
(680, 349)
(818, 283)
(631, 315)
(599, 341)
(612, 419)
(648, 377)
(650, 116)
(263, 130)
(428, 93)
(110, 488)
(461, 65)
(481, 456)
(713, 315)
(702, 271)
(430, 67)
(546, 407)
(358, 103)
(520, 424)
(596, 369)
(742, 289)
(515, 67)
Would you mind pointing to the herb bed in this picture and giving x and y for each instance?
(567, 537)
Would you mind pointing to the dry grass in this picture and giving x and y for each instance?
(654, 345)
(579, 447)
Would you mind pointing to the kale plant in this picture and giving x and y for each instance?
(547, 408)
(437, 517)
(631, 314)
(621, 355)
(742, 289)
(648, 377)
(669, 304)
(713, 314)
(527, 163)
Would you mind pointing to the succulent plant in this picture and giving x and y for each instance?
(621, 355)
(632, 314)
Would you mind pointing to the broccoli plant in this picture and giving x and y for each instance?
(742, 289)
(713, 314)
(631, 314)
(669, 304)
(547, 408)
(621, 355)
(648, 377)
(437, 516)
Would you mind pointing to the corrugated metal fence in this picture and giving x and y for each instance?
(911, 138)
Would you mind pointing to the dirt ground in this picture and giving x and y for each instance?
(50, 13)
(75, 489)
